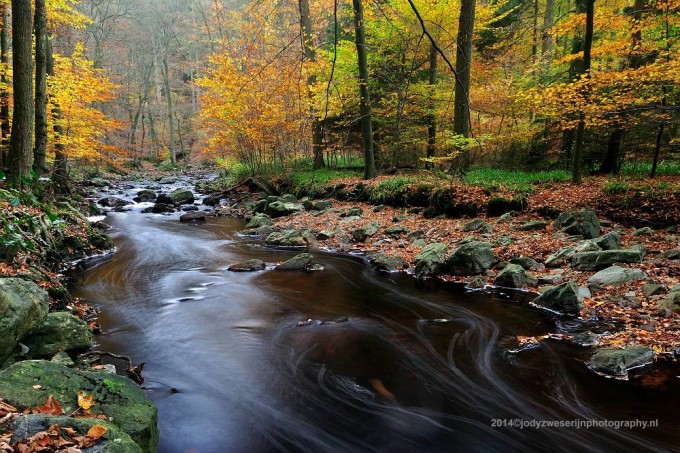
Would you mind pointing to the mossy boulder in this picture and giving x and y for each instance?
(513, 276)
(387, 263)
(300, 262)
(23, 307)
(181, 196)
(617, 362)
(283, 208)
(565, 298)
(609, 241)
(145, 195)
(431, 260)
(616, 275)
(471, 259)
(671, 302)
(497, 206)
(61, 331)
(291, 238)
(248, 266)
(366, 231)
(115, 440)
(29, 383)
(259, 220)
(583, 223)
(593, 261)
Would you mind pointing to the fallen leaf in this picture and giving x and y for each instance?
(97, 431)
(51, 407)
(85, 402)
(37, 387)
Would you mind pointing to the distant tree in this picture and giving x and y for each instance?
(40, 143)
(365, 102)
(461, 107)
(4, 81)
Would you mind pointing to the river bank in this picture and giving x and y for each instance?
(633, 288)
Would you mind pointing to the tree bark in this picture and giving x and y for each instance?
(365, 103)
(60, 157)
(546, 38)
(22, 121)
(309, 53)
(431, 117)
(575, 68)
(4, 93)
(171, 118)
(577, 170)
(40, 145)
(461, 105)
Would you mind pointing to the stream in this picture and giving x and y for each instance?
(251, 379)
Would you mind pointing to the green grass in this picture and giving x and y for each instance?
(643, 169)
(515, 180)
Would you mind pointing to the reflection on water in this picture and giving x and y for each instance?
(252, 380)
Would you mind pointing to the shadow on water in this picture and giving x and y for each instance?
(386, 364)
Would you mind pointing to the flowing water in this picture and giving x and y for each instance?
(251, 379)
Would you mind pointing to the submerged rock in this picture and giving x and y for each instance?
(29, 383)
(617, 362)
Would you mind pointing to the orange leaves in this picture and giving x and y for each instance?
(51, 407)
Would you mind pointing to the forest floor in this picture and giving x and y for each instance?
(624, 207)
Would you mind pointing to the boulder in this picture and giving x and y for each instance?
(322, 205)
(288, 198)
(61, 331)
(645, 231)
(609, 241)
(617, 362)
(671, 302)
(160, 208)
(565, 298)
(248, 266)
(213, 199)
(387, 263)
(474, 225)
(363, 233)
(431, 260)
(353, 212)
(114, 440)
(98, 182)
(672, 254)
(23, 307)
(181, 196)
(291, 238)
(616, 275)
(282, 208)
(113, 202)
(470, 259)
(168, 180)
(533, 225)
(564, 254)
(29, 383)
(396, 230)
(300, 262)
(526, 262)
(194, 216)
(259, 220)
(145, 195)
(653, 289)
(583, 222)
(593, 261)
(512, 276)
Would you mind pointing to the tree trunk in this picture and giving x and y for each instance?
(576, 171)
(575, 68)
(22, 121)
(365, 104)
(611, 164)
(171, 120)
(4, 93)
(431, 117)
(309, 53)
(60, 177)
(40, 145)
(461, 105)
(546, 38)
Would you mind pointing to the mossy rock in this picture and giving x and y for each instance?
(617, 362)
(431, 260)
(29, 383)
(115, 440)
(61, 332)
(23, 307)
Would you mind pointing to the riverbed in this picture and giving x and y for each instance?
(295, 361)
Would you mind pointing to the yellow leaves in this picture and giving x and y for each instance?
(85, 402)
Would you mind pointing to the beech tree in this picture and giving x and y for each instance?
(40, 143)
(20, 149)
